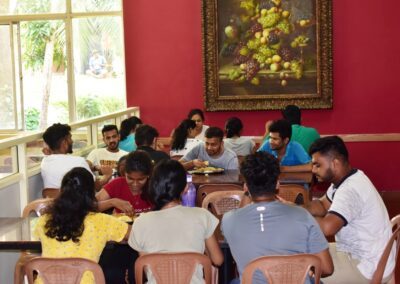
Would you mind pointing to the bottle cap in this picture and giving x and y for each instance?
(189, 178)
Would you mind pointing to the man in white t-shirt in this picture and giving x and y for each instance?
(55, 165)
(110, 155)
(353, 211)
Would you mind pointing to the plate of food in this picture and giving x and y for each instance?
(207, 170)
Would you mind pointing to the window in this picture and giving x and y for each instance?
(60, 61)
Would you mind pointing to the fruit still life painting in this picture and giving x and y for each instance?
(269, 48)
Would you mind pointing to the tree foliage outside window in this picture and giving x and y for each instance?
(44, 51)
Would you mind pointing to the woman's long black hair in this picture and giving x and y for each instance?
(233, 127)
(181, 133)
(69, 209)
(127, 126)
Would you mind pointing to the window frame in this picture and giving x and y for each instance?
(67, 18)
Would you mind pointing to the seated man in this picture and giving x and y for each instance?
(351, 210)
(97, 65)
(57, 162)
(305, 136)
(267, 226)
(109, 156)
(290, 154)
(146, 140)
(212, 153)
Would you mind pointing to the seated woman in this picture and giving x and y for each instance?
(71, 226)
(129, 194)
(127, 133)
(181, 143)
(197, 116)
(242, 146)
(172, 227)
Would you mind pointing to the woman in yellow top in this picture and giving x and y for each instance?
(72, 227)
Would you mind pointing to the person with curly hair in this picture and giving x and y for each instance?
(181, 142)
(71, 225)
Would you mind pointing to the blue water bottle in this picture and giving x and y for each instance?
(189, 198)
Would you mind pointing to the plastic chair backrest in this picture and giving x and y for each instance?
(37, 206)
(50, 192)
(395, 222)
(380, 269)
(222, 201)
(172, 268)
(294, 193)
(205, 189)
(285, 269)
(62, 270)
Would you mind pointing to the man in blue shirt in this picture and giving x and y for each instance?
(290, 154)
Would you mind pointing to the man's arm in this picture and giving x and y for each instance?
(266, 134)
(326, 262)
(187, 165)
(330, 224)
(105, 178)
(319, 207)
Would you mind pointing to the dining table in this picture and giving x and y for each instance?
(234, 177)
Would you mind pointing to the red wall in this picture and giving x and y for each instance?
(164, 75)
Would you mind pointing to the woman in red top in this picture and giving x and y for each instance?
(129, 194)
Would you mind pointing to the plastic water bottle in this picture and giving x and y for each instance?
(189, 198)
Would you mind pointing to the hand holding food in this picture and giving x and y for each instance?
(199, 163)
(123, 206)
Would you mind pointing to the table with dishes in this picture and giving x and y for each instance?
(234, 176)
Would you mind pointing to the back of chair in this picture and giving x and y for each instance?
(172, 268)
(62, 270)
(37, 206)
(395, 222)
(205, 189)
(221, 202)
(285, 269)
(294, 193)
(380, 269)
(50, 192)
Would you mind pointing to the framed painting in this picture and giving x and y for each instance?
(266, 54)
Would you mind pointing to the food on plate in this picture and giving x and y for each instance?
(208, 170)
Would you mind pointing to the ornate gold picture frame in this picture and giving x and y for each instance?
(266, 54)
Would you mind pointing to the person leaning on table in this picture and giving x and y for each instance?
(212, 153)
(353, 211)
(71, 225)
